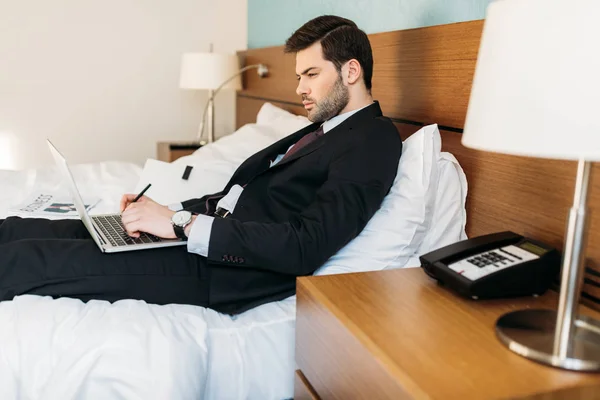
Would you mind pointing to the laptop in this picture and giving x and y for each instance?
(107, 230)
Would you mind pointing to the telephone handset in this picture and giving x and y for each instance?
(502, 264)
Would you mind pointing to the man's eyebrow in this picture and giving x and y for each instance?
(306, 71)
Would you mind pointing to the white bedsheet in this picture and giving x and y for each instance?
(65, 349)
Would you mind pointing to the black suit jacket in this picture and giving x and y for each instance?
(292, 217)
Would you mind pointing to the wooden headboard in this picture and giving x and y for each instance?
(424, 76)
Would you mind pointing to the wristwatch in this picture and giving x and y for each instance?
(180, 220)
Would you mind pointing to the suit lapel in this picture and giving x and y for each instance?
(261, 161)
(284, 144)
(370, 112)
(309, 148)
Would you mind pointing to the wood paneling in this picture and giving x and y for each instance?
(420, 74)
(424, 75)
(402, 335)
(531, 196)
(281, 82)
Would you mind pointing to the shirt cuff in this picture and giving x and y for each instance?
(175, 207)
(200, 235)
(228, 202)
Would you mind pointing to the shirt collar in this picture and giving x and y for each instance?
(338, 119)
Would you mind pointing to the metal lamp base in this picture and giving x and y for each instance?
(530, 333)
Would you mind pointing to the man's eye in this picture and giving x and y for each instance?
(312, 75)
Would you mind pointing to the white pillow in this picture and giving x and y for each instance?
(283, 122)
(270, 113)
(215, 163)
(449, 214)
(272, 124)
(396, 231)
(237, 147)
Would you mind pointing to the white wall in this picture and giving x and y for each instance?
(100, 77)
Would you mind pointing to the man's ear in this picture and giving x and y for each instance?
(351, 72)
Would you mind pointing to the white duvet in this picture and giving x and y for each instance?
(65, 349)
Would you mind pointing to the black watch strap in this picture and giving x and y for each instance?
(179, 232)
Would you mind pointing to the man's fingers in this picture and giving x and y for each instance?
(130, 215)
(123, 204)
(131, 222)
(132, 228)
(126, 200)
(132, 208)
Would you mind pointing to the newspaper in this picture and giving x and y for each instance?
(50, 204)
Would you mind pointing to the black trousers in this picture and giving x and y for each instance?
(59, 259)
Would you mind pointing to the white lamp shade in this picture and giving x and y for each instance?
(536, 89)
(209, 71)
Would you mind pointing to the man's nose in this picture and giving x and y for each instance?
(302, 89)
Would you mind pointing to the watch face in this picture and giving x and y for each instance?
(181, 217)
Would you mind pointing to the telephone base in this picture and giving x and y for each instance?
(530, 333)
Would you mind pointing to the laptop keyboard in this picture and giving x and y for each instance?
(113, 229)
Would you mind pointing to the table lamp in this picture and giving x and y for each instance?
(212, 72)
(535, 93)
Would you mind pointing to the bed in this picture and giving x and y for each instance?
(64, 349)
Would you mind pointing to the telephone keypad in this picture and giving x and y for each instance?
(486, 259)
(483, 264)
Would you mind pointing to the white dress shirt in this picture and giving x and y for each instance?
(199, 237)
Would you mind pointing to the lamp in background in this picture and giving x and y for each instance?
(212, 72)
(535, 93)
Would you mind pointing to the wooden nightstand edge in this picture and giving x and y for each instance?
(406, 382)
(303, 388)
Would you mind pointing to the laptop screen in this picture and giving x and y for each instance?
(63, 167)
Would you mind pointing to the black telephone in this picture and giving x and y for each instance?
(501, 264)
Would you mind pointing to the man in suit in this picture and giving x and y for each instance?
(284, 212)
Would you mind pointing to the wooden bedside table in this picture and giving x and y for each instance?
(399, 335)
(171, 151)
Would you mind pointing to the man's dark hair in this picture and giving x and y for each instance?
(340, 39)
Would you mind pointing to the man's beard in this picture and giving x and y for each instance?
(336, 100)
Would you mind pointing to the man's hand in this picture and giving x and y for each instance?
(146, 215)
(128, 198)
